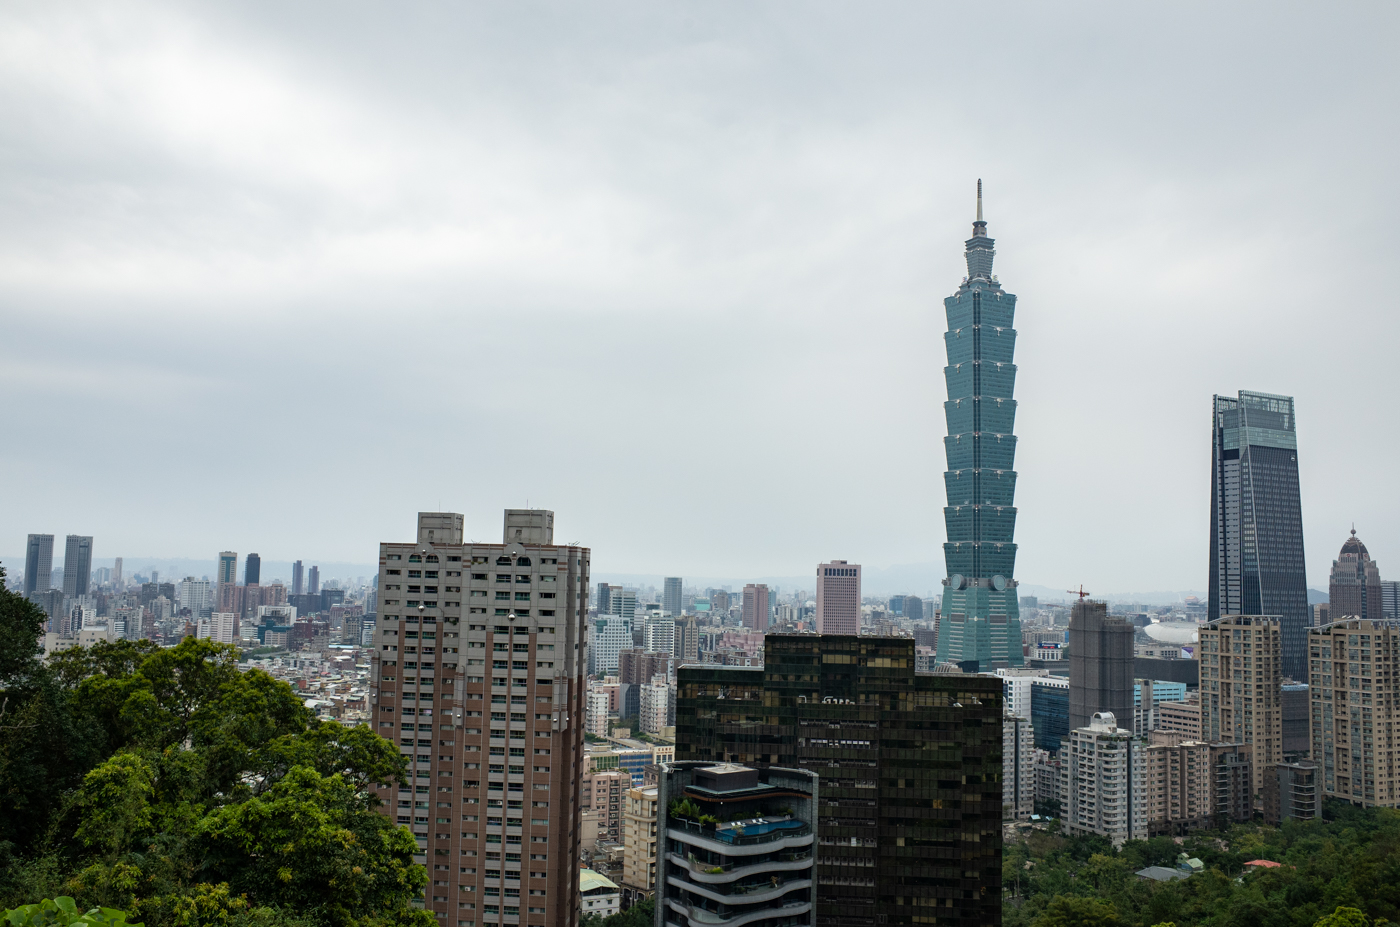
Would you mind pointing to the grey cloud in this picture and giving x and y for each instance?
(276, 276)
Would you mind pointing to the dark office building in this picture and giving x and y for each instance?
(1100, 664)
(604, 599)
(38, 564)
(313, 582)
(1256, 520)
(297, 578)
(1354, 588)
(913, 608)
(1049, 714)
(910, 769)
(77, 565)
(1297, 735)
(252, 570)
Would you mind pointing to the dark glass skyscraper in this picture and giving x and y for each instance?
(981, 620)
(38, 564)
(909, 765)
(1256, 520)
(77, 565)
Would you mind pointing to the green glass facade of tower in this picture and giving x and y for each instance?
(980, 619)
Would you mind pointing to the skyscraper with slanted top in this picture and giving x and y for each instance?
(981, 620)
(1256, 519)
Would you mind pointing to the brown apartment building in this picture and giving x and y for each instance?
(478, 676)
(1355, 671)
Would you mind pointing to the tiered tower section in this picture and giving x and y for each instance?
(980, 619)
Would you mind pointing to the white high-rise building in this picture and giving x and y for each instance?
(661, 635)
(657, 704)
(596, 720)
(1017, 767)
(611, 635)
(195, 594)
(1016, 688)
(221, 627)
(623, 602)
(1105, 786)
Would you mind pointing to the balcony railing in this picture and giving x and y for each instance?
(780, 830)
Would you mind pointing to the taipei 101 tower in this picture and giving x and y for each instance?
(980, 619)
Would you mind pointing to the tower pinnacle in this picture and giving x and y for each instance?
(979, 228)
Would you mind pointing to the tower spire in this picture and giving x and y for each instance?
(979, 228)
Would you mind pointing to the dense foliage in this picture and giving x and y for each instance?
(1349, 862)
(63, 912)
(167, 784)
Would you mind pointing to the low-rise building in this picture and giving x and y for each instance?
(1292, 793)
(598, 894)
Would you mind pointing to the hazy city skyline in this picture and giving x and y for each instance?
(659, 220)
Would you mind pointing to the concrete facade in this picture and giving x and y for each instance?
(1104, 769)
(1100, 664)
(480, 680)
(1355, 666)
(1241, 688)
(838, 598)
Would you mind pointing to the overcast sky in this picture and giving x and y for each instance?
(277, 276)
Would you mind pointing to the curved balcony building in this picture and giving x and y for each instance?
(735, 846)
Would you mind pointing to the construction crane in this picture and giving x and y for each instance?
(1081, 593)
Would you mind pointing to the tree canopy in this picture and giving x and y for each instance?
(1339, 872)
(171, 786)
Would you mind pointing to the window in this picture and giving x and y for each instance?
(394, 557)
(523, 561)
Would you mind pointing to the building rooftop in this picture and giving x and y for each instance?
(1162, 874)
(588, 881)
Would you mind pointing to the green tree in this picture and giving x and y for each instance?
(167, 783)
(309, 843)
(1071, 911)
(1344, 917)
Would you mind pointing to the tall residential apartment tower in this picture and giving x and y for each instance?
(479, 671)
(1256, 519)
(1241, 688)
(1355, 666)
(838, 598)
(981, 620)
